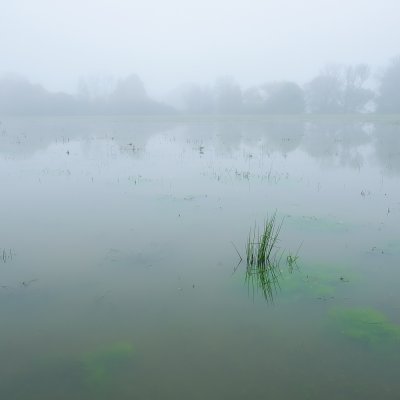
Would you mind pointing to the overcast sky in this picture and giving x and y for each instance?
(168, 42)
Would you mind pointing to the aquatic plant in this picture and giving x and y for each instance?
(263, 257)
(6, 255)
(265, 279)
(366, 325)
(261, 247)
(101, 365)
(291, 259)
(97, 374)
(322, 281)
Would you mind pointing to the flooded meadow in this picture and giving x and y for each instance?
(138, 259)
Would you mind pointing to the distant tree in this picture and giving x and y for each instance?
(323, 93)
(228, 96)
(129, 90)
(254, 99)
(355, 95)
(284, 98)
(96, 88)
(274, 98)
(20, 97)
(339, 90)
(198, 99)
(130, 97)
(388, 100)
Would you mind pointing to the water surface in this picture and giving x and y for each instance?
(119, 278)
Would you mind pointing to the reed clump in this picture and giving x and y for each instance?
(263, 257)
(262, 244)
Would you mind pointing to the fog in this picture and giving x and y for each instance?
(199, 197)
(335, 90)
(167, 44)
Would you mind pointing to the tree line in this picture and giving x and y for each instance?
(336, 89)
(127, 96)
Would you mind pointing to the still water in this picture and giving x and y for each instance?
(119, 276)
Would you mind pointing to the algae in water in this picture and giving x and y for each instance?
(101, 366)
(366, 324)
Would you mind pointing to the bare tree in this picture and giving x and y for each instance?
(389, 92)
(339, 89)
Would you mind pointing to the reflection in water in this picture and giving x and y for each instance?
(264, 279)
(387, 147)
(267, 279)
(336, 142)
(24, 136)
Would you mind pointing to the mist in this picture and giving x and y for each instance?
(168, 44)
(337, 89)
(199, 199)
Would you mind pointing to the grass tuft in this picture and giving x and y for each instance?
(263, 257)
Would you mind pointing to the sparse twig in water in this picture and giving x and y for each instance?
(237, 251)
(27, 283)
(6, 255)
(291, 259)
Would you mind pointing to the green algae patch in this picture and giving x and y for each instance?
(301, 286)
(321, 281)
(102, 367)
(96, 374)
(366, 325)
